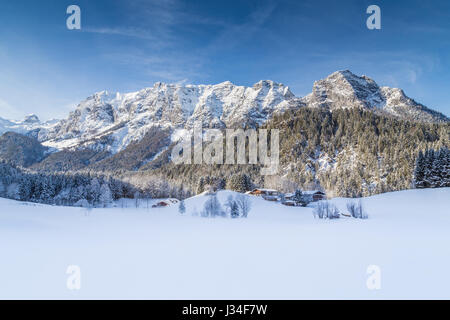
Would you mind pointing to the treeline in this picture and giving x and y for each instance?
(432, 169)
(78, 189)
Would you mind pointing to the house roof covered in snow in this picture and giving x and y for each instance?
(266, 190)
(313, 192)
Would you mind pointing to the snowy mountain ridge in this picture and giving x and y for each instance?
(29, 123)
(111, 121)
(343, 89)
(124, 118)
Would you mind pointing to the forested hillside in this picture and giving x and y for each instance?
(345, 152)
(354, 152)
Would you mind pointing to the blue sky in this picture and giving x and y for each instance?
(128, 45)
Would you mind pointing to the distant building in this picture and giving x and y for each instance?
(274, 195)
(289, 200)
(315, 195)
(165, 203)
(263, 192)
(289, 196)
(267, 194)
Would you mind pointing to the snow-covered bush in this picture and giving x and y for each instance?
(326, 210)
(356, 210)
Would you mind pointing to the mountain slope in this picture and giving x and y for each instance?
(347, 152)
(21, 150)
(343, 90)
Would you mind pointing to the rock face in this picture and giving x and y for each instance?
(20, 150)
(343, 89)
(110, 122)
(119, 119)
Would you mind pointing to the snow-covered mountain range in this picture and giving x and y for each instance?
(30, 123)
(110, 122)
(124, 118)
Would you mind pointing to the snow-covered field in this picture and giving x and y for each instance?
(278, 252)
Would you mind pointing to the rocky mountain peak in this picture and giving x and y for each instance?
(31, 118)
(343, 89)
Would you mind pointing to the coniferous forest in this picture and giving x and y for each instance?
(348, 153)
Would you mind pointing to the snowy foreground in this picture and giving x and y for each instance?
(278, 252)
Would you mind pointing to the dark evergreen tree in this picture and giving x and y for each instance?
(419, 171)
(201, 185)
(240, 183)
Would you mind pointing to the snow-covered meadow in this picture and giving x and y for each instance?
(278, 252)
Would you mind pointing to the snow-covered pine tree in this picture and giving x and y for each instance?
(419, 171)
(105, 197)
(439, 168)
(116, 188)
(240, 183)
(24, 189)
(94, 192)
(201, 185)
(77, 193)
(220, 184)
(45, 189)
(298, 196)
(436, 170)
(428, 168)
(432, 169)
(446, 169)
